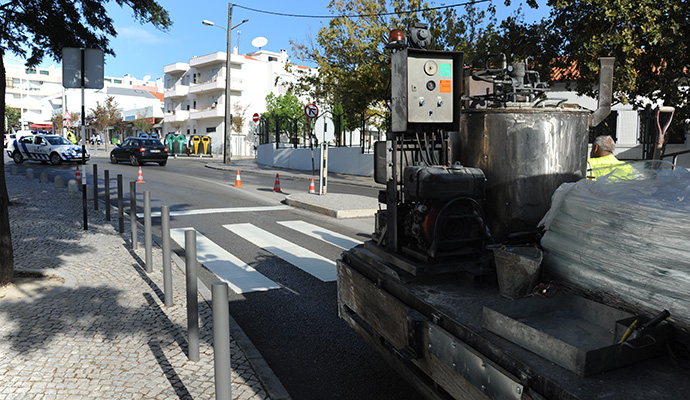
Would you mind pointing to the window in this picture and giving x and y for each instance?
(210, 130)
(26, 139)
(44, 72)
(30, 71)
(118, 80)
(108, 80)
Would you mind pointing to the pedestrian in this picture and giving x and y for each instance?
(602, 161)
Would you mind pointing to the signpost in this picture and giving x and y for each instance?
(82, 68)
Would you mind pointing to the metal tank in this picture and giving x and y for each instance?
(525, 153)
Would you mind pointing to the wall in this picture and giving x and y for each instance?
(343, 160)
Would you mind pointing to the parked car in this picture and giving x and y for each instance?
(9, 137)
(44, 148)
(139, 151)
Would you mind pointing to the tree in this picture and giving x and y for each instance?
(40, 28)
(105, 115)
(57, 122)
(354, 65)
(238, 117)
(283, 111)
(13, 116)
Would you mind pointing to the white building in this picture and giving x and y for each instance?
(195, 94)
(38, 94)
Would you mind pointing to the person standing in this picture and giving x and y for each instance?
(602, 161)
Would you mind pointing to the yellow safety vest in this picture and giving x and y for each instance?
(601, 166)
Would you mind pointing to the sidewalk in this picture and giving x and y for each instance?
(105, 333)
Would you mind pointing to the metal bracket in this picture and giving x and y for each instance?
(491, 379)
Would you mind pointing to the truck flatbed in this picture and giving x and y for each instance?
(431, 332)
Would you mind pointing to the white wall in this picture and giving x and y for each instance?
(344, 160)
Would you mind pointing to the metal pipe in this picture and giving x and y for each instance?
(106, 188)
(221, 341)
(148, 257)
(167, 267)
(95, 186)
(192, 301)
(133, 212)
(605, 91)
(120, 204)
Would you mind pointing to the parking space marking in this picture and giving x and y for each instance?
(306, 260)
(241, 278)
(320, 233)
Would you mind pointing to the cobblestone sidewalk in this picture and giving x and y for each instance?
(106, 334)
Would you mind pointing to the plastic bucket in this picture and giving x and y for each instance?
(517, 270)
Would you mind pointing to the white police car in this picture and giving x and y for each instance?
(53, 148)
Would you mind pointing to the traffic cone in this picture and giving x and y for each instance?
(238, 180)
(140, 178)
(78, 176)
(276, 186)
(312, 189)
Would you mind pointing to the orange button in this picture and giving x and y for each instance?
(444, 86)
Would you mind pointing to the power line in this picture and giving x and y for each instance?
(358, 15)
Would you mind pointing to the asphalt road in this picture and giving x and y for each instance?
(294, 325)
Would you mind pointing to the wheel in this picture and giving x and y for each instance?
(113, 159)
(134, 160)
(17, 157)
(55, 159)
(162, 163)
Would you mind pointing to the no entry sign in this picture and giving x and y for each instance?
(255, 118)
(311, 110)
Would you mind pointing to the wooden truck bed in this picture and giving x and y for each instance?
(431, 332)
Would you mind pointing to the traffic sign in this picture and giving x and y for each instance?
(311, 110)
(255, 118)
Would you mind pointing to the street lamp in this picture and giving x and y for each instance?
(228, 103)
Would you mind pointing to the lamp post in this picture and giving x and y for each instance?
(228, 104)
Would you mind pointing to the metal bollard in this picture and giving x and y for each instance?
(106, 188)
(147, 232)
(133, 213)
(221, 341)
(192, 301)
(167, 266)
(95, 186)
(120, 204)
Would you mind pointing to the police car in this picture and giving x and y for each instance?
(53, 148)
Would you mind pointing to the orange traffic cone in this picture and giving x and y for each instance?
(312, 189)
(276, 186)
(238, 180)
(140, 178)
(78, 175)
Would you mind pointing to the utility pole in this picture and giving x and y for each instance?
(228, 103)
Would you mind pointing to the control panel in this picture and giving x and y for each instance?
(424, 87)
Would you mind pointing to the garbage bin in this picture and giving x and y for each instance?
(206, 144)
(195, 142)
(180, 144)
(170, 143)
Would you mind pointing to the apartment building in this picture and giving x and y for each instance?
(38, 94)
(195, 94)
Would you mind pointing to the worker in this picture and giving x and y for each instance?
(602, 161)
(71, 138)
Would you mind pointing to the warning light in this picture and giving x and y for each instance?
(396, 39)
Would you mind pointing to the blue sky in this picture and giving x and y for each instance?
(142, 50)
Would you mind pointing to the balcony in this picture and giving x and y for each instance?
(177, 91)
(176, 68)
(207, 60)
(176, 116)
(207, 112)
(208, 86)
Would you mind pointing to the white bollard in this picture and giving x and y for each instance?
(43, 177)
(29, 173)
(13, 169)
(59, 182)
(72, 186)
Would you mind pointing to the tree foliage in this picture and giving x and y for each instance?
(13, 116)
(56, 121)
(238, 117)
(33, 29)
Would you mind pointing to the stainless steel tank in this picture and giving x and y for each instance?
(525, 153)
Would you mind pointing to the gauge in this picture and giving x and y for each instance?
(430, 67)
(431, 85)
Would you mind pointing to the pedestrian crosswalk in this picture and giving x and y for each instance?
(242, 278)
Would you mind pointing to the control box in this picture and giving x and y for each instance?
(426, 89)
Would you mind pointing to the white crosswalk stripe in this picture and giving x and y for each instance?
(241, 278)
(328, 236)
(202, 211)
(312, 263)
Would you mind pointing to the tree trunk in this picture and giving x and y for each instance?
(6, 254)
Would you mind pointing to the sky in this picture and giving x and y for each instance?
(142, 51)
